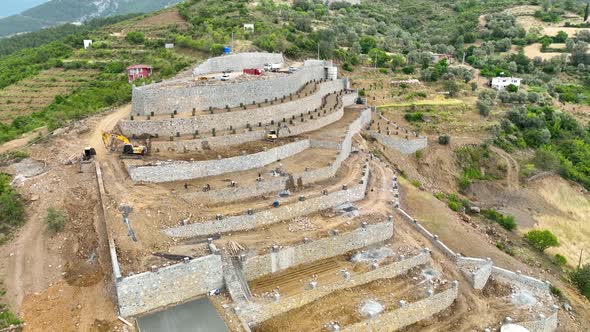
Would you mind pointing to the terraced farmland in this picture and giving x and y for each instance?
(36, 92)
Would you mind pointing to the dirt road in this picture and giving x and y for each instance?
(512, 170)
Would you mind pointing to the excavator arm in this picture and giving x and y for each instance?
(128, 148)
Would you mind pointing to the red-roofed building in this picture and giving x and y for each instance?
(138, 71)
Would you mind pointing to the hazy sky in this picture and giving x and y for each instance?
(11, 7)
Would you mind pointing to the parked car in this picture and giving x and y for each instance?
(225, 77)
(293, 69)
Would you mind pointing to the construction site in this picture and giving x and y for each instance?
(259, 203)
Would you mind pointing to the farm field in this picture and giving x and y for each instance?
(34, 93)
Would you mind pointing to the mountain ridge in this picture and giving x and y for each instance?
(55, 12)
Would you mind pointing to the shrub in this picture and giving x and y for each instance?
(408, 70)
(362, 93)
(444, 139)
(347, 66)
(581, 278)
(560, 260)
(135, 37)
(541, 239)
(507, 222)
(416, 183)
(12, 211)
(414, 117)
(55, 220)
(383, 70)
(555, 291)
(454, 206)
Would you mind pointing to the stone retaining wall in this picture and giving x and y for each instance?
(476, 270)
(405, 146)
(184, 95)
(481, 277)
(518, 278)
(228, 194)
(255, 313)
(145, 292)
(177, 171)
(331, 246)
(237, 62)
(271, 215)
(412, 313)
(204, 123)
(216, 142)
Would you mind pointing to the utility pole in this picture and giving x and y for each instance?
(463, 62)
(319, 50)
(232, 40)
(580, 260)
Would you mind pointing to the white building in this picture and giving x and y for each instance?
(87, 43)
(249, 27)
(500, 83)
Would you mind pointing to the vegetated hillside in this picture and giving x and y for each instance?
(57, 12)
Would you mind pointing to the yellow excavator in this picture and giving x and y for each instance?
(128, 148)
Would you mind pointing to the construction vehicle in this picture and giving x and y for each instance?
(128, 148)
(88, 154)
(272, 135)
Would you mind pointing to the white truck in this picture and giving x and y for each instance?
(273, 67)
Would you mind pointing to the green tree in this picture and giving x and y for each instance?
(581, 278)
(541, 239)
(452, 87)
(135, 37)
(586, 12)
(367, 43)
(512, 88)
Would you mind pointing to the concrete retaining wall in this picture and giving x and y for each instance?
(272, 215)
(258, 266)
(176, 171)
(405, 316)
(184, 95)
(237, 62)
(257, 313)
(405, 146)
(173, 284)
(204, 123)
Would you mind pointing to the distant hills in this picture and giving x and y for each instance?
(56, 12)
(8, 8)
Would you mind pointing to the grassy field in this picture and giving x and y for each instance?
(34, 93)
(428, 102)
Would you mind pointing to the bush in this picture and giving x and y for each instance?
(581, 278)
(507, 222)
(541, 239)
(135, 37)
(55, 220)
(347, 66)
(12, 211)
(414, 117)
(555, 291)
(408, 70)
(560, 260)
(444, 139)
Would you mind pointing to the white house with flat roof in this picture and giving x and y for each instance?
(500, 83)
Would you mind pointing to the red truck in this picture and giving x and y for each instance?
(253, 71)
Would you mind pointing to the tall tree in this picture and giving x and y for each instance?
(586, 11)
